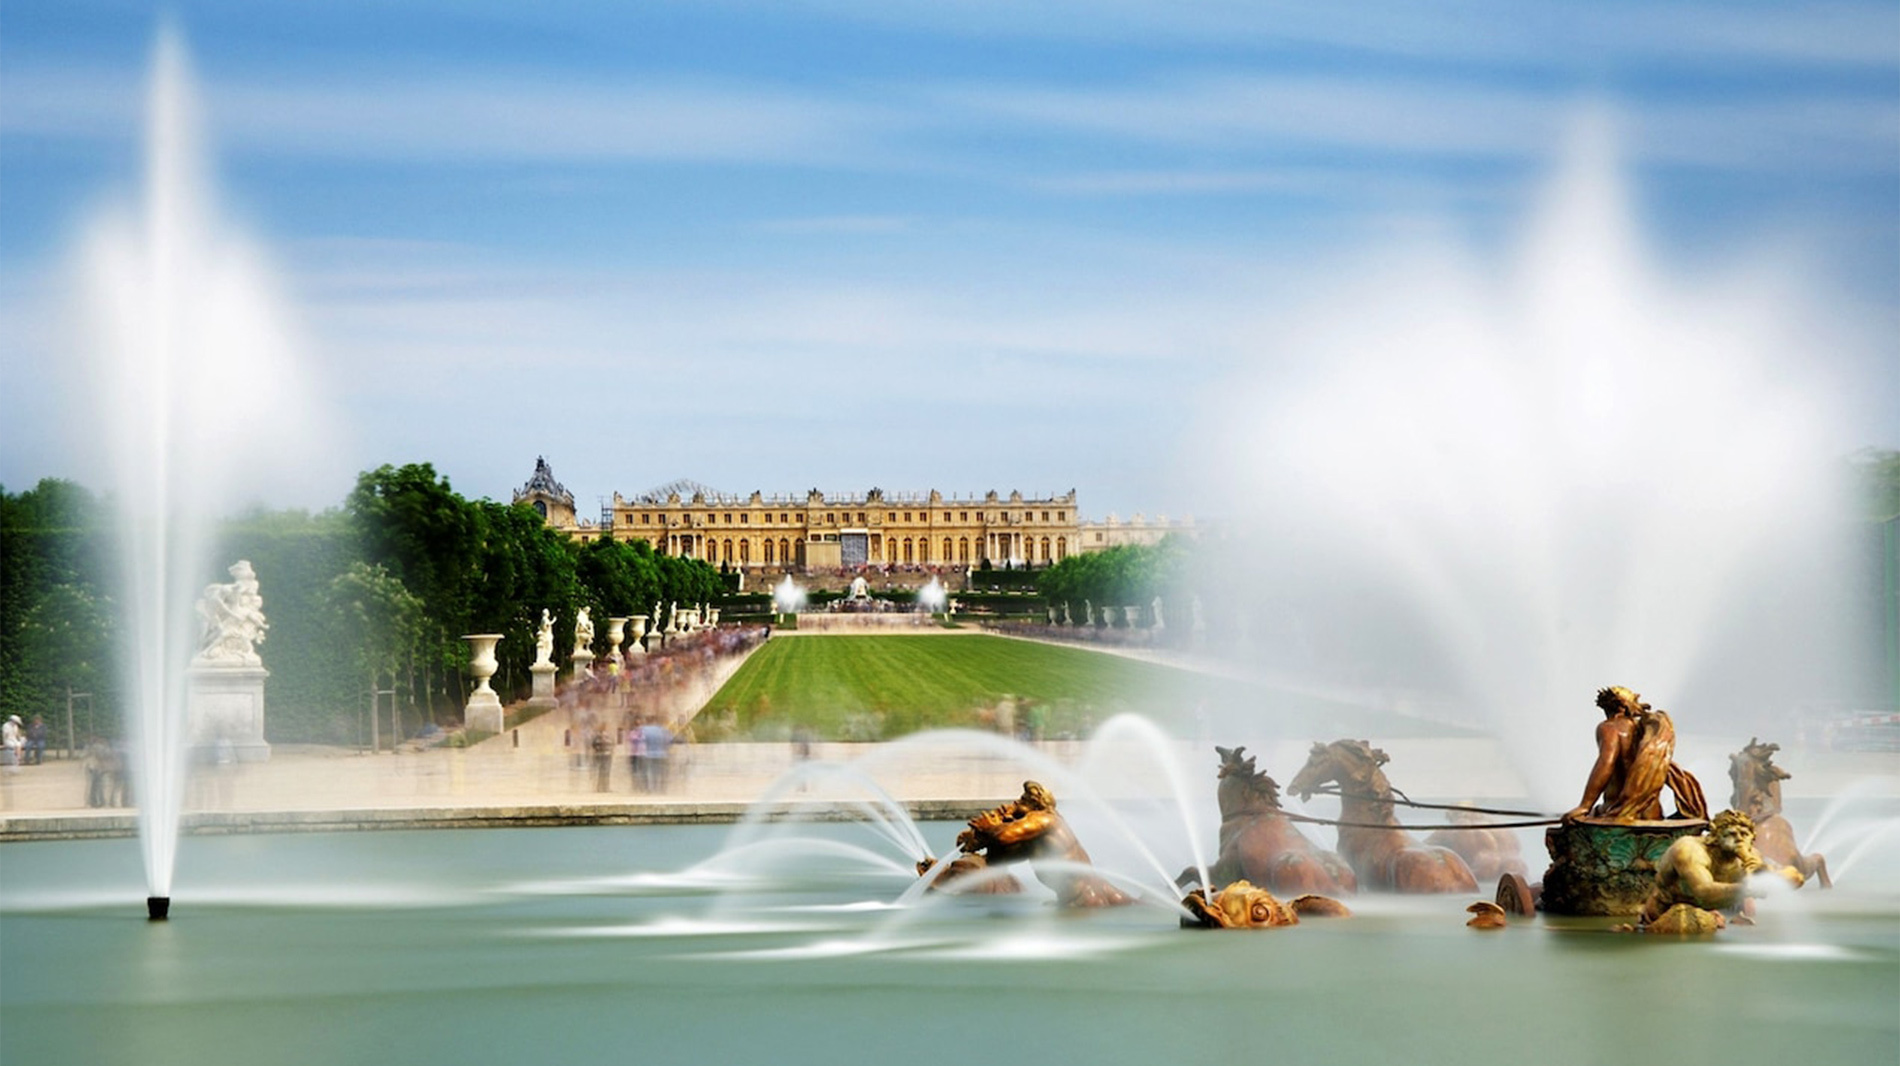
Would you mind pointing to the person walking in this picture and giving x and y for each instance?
(98, 756)
(658, 740)
(603, 745)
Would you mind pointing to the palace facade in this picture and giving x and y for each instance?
(816, 532)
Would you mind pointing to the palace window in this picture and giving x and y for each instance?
(963, 516)
(745, 519)
(646, 519)
(770, 555)
(1062, 516)
(906, 516)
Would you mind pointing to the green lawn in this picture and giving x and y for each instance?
(878, 687)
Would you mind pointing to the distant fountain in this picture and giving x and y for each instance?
(193, 373)
(932, 598)
(787, 597)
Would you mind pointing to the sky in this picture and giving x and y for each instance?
(957, 246)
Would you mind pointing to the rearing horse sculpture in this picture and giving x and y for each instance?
(1383, 855)
(1757, 794)
(1258, 843)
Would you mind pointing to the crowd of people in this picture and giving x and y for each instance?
(1120, 637)
(635, 708)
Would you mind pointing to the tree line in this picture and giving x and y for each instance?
(1128, 575)
(374, 595)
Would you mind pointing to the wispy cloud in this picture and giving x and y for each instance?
(471, 117)
(961, 126)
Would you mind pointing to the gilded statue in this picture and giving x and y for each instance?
(1702, 877)
(1028, 829)
(1757, 793)
(1243, 905)
(1259, 844)
(1383, 855)
(1635, 747)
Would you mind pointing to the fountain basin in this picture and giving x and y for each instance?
(530, 945)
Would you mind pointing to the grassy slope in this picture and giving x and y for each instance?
(844, 685)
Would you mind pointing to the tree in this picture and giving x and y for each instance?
(56, 617)
(381, 622)
(412, 523)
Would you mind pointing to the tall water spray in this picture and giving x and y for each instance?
(788, 597)
(933, 598)
(1506, 488)
(197, 402)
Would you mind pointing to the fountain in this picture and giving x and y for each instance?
(787, 597)
(933, 598)
(597, 940)
(199, 402)
(1512, 488)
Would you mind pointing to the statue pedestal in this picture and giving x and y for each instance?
(583, 665)
(483, 713)
(542, 693)
(1607, 868)
(226, 702)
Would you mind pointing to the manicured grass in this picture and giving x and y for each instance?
(878, 687)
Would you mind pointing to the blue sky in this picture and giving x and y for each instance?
(960, 246)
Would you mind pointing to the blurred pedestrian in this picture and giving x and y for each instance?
(98, 755)
(659, 741)
(36, 741)
(12, 744)
(636, 754)
(603, 746)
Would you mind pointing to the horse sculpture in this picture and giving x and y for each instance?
(1491, 853)
(1757, 794)
(1382, 855)
(1259, 844)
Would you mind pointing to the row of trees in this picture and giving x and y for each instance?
(1126, 575)
(375, 595)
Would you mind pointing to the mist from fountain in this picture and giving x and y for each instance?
(1500, 490)
(193, 372)
(788, 597)
(932, 598)
(1127, 838)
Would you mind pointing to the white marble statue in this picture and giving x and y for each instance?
(544, 640)
(583, 631)
(1156, 607)
(233, 619)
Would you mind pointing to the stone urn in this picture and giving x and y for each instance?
(483, 713)
(635, 645)
(616, 632)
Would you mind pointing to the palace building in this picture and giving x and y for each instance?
(817, 532)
